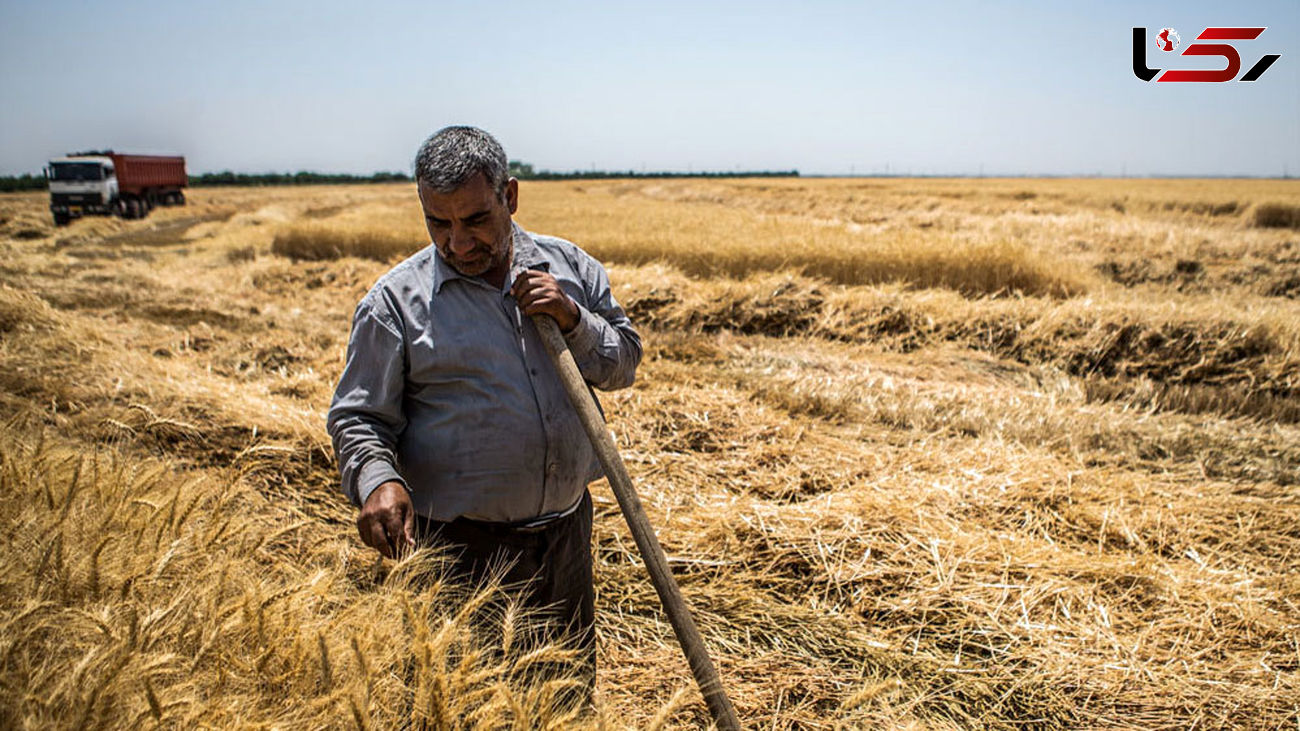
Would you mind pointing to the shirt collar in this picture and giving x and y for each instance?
(525, 255)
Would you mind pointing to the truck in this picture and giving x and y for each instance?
(114, 184)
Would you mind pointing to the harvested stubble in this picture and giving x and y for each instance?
(379, 230)
(1277, 215)
(1181, 356)
(891, 505)
(322, 241)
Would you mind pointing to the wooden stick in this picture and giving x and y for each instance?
(688, 636)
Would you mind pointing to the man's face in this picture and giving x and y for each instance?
(471, 225)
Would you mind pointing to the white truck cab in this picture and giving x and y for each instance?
(81, 185)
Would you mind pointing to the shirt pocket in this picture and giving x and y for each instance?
(466, 342)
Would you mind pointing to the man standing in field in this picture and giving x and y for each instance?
(449, 420)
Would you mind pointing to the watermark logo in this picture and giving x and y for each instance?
(1168, 39)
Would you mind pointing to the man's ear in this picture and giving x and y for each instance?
(512, 195)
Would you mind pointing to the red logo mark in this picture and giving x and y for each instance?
(1167, 40)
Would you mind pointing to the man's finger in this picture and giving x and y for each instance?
(363, 528)
(525, 298)
(530, 279)
(538, 294)
(395, 531)
(521, 282)
(534, 289)
(530, 304)
(373, 534)
(409, 525)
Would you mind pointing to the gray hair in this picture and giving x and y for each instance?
(455, 154)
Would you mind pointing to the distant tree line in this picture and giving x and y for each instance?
(518, 169)
(299, 178)
(10, 183)
(605, 174)
(525, 171)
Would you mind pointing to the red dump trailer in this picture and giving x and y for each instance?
(113, 183)
(149, 175)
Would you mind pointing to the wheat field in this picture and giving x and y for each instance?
(923, 453)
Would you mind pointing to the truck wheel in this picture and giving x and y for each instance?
(61, 219)
(133, 208)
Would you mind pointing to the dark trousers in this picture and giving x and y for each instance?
(552, 564)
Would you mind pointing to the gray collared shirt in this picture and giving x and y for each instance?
(448, 389)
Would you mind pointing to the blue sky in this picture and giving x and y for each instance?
(824, 87)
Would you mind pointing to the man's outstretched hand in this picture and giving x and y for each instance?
(537, 293)
(387, 520)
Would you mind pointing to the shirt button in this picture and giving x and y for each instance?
(551, 468)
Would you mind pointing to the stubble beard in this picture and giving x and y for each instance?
(489, 260)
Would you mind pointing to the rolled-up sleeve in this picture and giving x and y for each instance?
(365, 418)
(604, 344)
